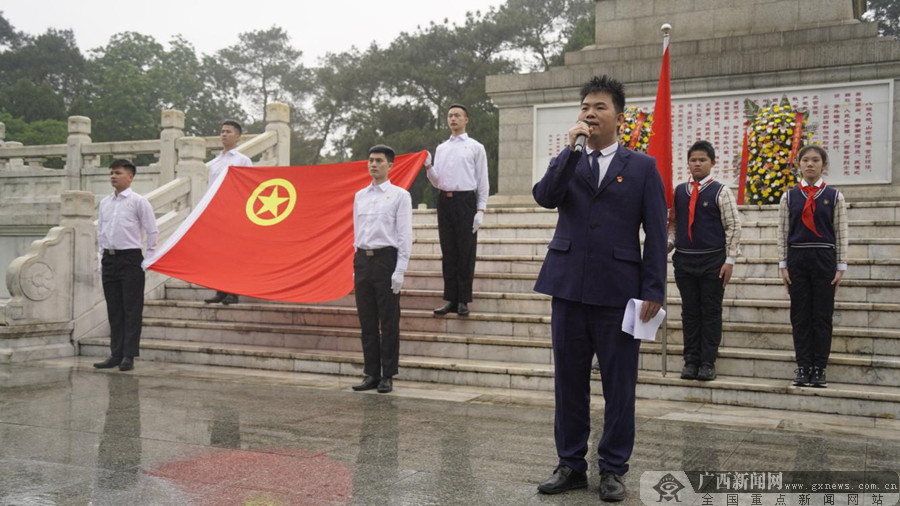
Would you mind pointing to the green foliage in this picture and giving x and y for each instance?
(887, 14)
(45, 131)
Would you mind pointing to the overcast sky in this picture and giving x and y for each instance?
(315, 26)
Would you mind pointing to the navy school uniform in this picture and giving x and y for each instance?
(697, 261)
(812, 261)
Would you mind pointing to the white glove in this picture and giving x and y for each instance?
(396, 281)
(476, 223)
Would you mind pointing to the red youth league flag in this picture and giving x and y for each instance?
(276, 233)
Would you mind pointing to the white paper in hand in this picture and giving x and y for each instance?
(632, 324)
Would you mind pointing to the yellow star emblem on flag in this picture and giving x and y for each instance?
(270, 211)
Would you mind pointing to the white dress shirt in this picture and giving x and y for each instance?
(224, 160)
(121, 221)
(382, 217)
(603, 161)
(460, 164)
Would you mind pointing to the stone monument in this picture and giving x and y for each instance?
(816, 54)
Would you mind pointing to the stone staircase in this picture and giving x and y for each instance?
(505, 342)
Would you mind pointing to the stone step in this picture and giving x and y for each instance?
(861, 315)
(880, 248)
(857, 268)
(773, 335)
(750, 248)
(497, 216)
(733, 361)
(883, 211)
(852, 290)
(775, 364)
(777, 336)
(838, 398)
(859, 229)
(743, 309)
(415, 320)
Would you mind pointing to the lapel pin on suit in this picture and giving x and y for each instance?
(619, 179)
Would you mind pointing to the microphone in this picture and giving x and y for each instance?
(580, 140)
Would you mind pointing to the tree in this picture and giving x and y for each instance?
(41, 76)
(540, 27)
(134, 77)
(9, 37)
(45, 131)
(266, 66)
(887, 14)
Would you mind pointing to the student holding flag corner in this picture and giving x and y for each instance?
(230, 136)
(382, 233)
(460, 174)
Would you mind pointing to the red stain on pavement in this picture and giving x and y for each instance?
(252, 478)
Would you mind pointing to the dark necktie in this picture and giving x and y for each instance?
(595, 168)
(809, 208)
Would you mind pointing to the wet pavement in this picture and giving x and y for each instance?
(169, 434)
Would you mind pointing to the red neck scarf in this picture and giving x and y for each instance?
(809, 208)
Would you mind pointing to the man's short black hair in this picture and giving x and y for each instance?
(387, 151)
(606, 84)
(704, 146)
(459, 106)
(235, 124)
(123, 163)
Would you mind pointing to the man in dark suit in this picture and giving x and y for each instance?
(604, 194)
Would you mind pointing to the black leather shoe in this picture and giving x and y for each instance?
(108, 363)
(802, 378)
(689, 372)
(127, 364)
(564, 478)
(449, 307)
(707, 372)
(230, 299)
(817, 378)
(368, 383)
(219, 297)
(462, 309)
(385, 385)
(612, 488)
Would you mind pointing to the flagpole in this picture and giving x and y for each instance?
(666, 29)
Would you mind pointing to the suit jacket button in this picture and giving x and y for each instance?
(594, 225)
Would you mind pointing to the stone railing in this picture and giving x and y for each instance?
(55, 296)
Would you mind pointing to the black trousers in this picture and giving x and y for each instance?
(812, 303)
(123, 288)
(697, 277)
(458, 243)
(579, 332)
(379, 311)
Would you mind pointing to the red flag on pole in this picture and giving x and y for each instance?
(745, 160)
(276, 233)
(660, 146)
